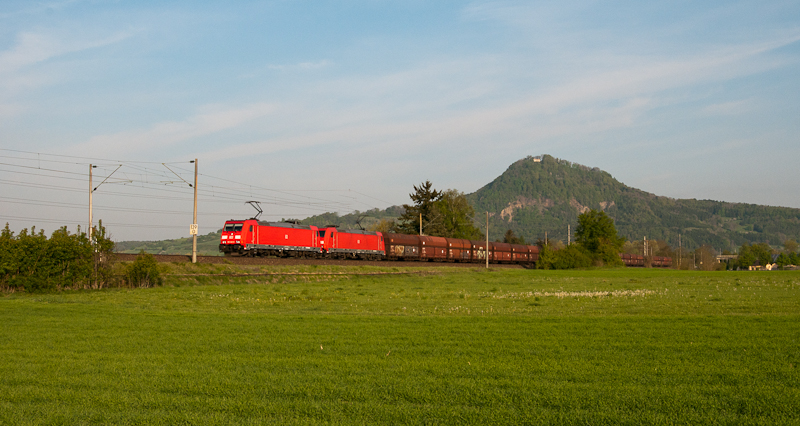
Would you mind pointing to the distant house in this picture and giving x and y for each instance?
(537, 159)
(756, 266)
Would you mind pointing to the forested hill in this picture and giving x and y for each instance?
(537, 195)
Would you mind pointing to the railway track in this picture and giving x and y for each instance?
(291, 261)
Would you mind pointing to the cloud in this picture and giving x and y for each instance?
(32, 48)
(165, 134)
(440, 106)
(25, 65)
(727, 108)
(36, 8)
(301, 66)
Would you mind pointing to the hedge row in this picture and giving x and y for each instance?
(33, 262)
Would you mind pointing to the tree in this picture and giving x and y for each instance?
(104, 254)
(510, 238)
(790, 246)
(706, 258)
(750, 254)
(444, 214)
(452, 217)
(746, 257)
(383, 226)
(783, 260)
(598, 236)
(424, 197)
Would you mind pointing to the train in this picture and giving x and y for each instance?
(639, 260)
(252, 237)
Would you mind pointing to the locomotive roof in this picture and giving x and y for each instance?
(357, 231)
(283, 225)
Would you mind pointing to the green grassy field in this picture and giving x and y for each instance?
(441, 346)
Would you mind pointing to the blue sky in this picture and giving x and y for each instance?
(347, 104)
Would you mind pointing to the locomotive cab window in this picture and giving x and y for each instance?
(251, 228)
(228, 227)
(321, 234)
(237, 227)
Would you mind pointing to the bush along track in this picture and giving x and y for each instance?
(32, 262)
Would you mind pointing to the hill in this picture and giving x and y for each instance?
(535, 195)
(207, 245)
(353, 220)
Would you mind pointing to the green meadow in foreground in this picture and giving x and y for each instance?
(437, 346)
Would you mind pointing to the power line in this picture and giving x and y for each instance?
(87, 158)
(245, 193)
(78, 222)
(143, 176)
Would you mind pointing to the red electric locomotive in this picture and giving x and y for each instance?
(351, 243)
(257, 238)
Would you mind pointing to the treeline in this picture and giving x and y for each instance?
(31, 261)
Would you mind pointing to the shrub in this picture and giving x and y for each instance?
(571, 257)
(34, 262)
(31, 284)
(143, 272)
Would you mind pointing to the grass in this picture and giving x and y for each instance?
(448, 346)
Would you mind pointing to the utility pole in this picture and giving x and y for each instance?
(89, 232)
(420, 223)
(194, 221)
(680, 251)
(569, 234)
(487, 240)
(91, 191)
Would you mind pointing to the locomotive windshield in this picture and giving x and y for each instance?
(233, 227)
(321, 234)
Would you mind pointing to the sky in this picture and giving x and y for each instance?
(321, 106)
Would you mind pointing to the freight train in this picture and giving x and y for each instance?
(639, 260)
(252, 237)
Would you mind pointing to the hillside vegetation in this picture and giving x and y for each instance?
(207, 245)
(533, 197)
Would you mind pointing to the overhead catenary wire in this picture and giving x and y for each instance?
(145, 180)
(82, 221)
(214, 200)
(335, 205)
(214, 192)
